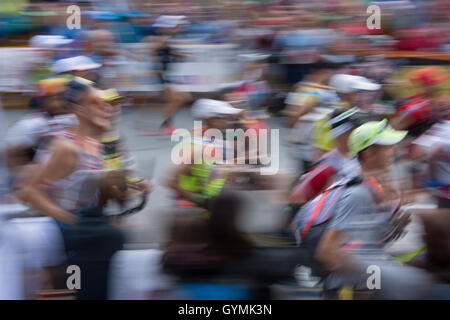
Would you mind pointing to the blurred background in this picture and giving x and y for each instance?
(208, 46)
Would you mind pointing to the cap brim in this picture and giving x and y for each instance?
(89, 66)
(367, 86)
(229, 112)
(390, 136)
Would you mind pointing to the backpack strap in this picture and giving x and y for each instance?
(321, 202)
(316, 212)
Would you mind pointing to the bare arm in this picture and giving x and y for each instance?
(330, 251)
(61, 164)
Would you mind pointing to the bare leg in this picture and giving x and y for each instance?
(174, 101)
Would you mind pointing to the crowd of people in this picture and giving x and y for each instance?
(371, 150)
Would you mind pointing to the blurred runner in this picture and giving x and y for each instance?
(116, 154)
(364, 219)
(167, 27)
(334, 165)
(70, 173)
(351, 91)
(196, 184)
(34, 132)
(419, 112)
(310, 93)
(305, 108)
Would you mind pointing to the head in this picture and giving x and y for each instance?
(50, 95)
(88, 105)
(374, 144)
(352, 88)
(218, 122)
(215, 113)
(342, 124)
(79, 66)
(433, 79)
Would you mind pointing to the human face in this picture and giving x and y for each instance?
(95, 112)
(220, 123)
(351, 98)
(91, 75)
(379, 157)
(54, 105)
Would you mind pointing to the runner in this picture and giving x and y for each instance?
(116, 153)
(195, 184)
(34, 132)
(419, 112)
(71, 176)
(334, 165)
(310, 93)
(351, 91)
(305, 108)
(167, 27)
(363, 220)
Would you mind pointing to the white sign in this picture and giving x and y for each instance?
(208, 67)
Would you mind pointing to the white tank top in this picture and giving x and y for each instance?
(80, 188)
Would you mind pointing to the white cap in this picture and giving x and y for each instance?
(48, 42)
(78, 63)
(166, 21)
(346, 83)
(209, 108)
